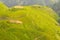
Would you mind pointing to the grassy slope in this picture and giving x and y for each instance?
(37, 24)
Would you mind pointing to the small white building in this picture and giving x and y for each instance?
(18, 7)
(15, 21)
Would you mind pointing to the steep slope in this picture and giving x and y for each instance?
(56, 7)
(29, 23)
(3, 8)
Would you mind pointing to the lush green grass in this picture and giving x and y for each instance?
(38, 23)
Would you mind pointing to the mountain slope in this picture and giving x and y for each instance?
(29, 23)
(29, 2)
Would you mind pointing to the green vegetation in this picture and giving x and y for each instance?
(28, 23)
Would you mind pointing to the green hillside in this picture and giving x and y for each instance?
(3, 9)
(28, 23)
